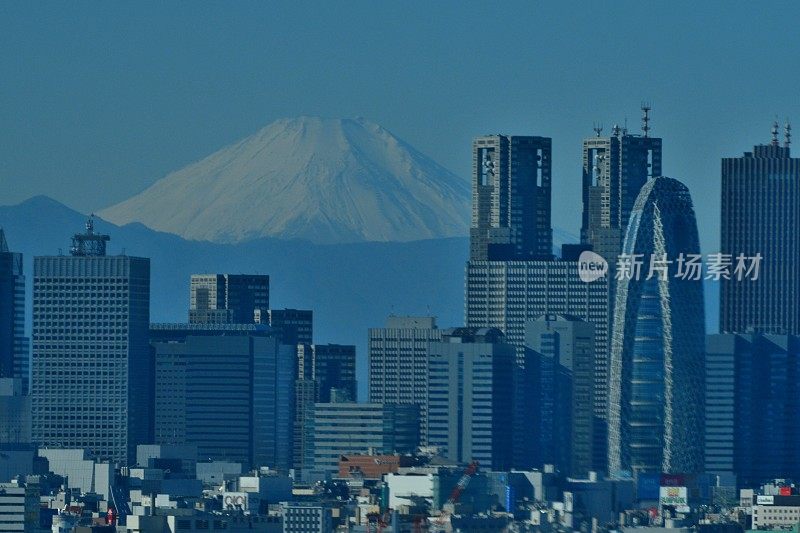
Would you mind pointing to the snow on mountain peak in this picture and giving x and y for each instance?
(322, 180)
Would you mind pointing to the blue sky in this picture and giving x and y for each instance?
(98, 100)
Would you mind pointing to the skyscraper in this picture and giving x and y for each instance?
(471, 397)
(760, 215)
(227, 298)
(511, 198)
(752, 402)
(561, 365)
(325, 373)
(398, 361)
(14, 346)
(506, 294)
(614, 170)
(657, 351)
(295, 326)
(92, 367)
(512, 277)
(223, 388)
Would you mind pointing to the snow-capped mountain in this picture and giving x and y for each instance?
(322, 180)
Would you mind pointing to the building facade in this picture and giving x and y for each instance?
(227, 298)
(760, 214)
(614, 170)
(511, 190)
(15, 412)
(14, 346)
(471, 397)
(398, 361)
(91, 384)
(325, 373)
(336, 429)
(560, 364)
(295, 326)
(656, 380)
(507, 294)
(227, 389)
(752, 397)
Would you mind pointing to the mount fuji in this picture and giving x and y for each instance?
(326, 181)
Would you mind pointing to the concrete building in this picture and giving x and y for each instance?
(20, 460)
(162, 455)
(398, 361)
(14, 345)
(336, 429)
(227, 389)
(325, 373)
(614, 170)
(91, 361)
(470, 397)
(560, 370)
(77, 465)
(656, 383)
(511, 189)
(760, 211)
(301, 517)
(15, 412)
(19, 508)
(507, 294)
(752, 397)
(227, 298)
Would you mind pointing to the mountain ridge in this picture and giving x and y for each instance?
(322, 180)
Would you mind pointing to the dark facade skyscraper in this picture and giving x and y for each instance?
(511, 188)
(227, 298)
(92, 369)
(14, 346)
(752, 406)
(470, 397)
(560, 362)
(225, 388)
(295, 326)
(325, 373)
(657, 351)
(614, 170)
(761, 215)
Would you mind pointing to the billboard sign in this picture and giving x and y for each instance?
(765, 500)
(673, 497)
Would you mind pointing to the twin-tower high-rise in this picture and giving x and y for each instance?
(514, 278)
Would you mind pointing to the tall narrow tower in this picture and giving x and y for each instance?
(614, 170)
(14, 353)
(760, 215)
(655, 421)
(511, 191)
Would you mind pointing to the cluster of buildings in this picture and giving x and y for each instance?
(562, 402)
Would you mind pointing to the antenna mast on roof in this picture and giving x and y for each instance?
(646, 107)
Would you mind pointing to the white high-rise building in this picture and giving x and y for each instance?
(91, 359)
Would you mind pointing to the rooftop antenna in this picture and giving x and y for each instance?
(625, 128)
(775, 133)
(615, 130)
(787, 133)
(598, 128)
(646, 107)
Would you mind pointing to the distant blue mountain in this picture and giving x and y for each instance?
(350, 287)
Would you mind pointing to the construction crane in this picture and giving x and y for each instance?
(455, 494)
